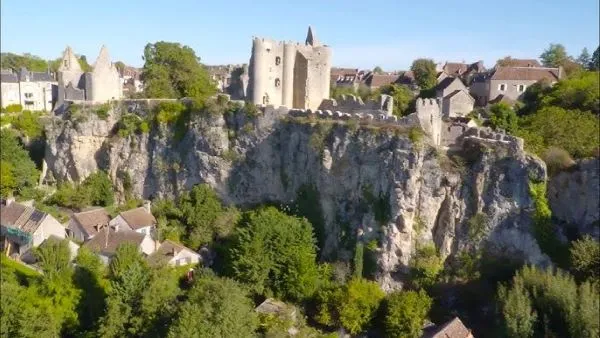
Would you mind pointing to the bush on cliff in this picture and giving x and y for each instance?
(17, 170)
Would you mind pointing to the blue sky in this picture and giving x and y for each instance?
(362, 34)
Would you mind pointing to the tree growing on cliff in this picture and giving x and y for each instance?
(17, 170)
(424, 72)
(405, 312)
(275, 251)
(174, 71)
(403, 98)
(504, 117)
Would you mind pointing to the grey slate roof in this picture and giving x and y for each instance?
(18, 216)
(8, 78)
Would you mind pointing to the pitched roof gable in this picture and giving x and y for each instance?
(24, 218)
(138, 218)
(446, 82)
(107, 243)
(91, 220)
(526, 74)
(452, 329)
(457, 92)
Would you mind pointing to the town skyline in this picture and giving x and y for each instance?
(363, 45)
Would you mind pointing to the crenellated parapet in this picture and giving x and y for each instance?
(354, 104)
(488, 135)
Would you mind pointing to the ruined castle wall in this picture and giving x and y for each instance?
(318, 75)
(430, 117)
(105, 85)
(287, 79)
(353, 104)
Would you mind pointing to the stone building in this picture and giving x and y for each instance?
(455, 97)
(289, 74)
(100, 85)
(230, 79)
(510, 82)
(32, 90)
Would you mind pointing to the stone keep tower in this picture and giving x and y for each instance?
(289, 74)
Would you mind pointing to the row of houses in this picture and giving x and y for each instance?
(23, 227)
(460, 83)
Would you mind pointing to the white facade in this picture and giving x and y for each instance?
(185, 257)
(49, 227)
(33, 91)
(10, 94)
(119, 224)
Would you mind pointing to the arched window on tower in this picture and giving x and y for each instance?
(277, 60)
(277, 83)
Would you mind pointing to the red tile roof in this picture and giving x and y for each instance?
(91, 220)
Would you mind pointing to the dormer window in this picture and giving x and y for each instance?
(277, 61)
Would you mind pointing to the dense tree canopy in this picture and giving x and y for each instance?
(425, 73)
(403, 98)
(554, 56)
(547, 303)
(215, 307)
(405, 312)
(503, 116)
(277, 252)
(17, 170)
(174, 71)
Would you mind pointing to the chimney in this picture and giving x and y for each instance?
(9, 200)
(148, 206)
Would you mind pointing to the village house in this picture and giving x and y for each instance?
(519, 63)
(455, 97)
(139, 220)
(107, 240)
(24, 227)
(510, 82)
(452, 329)
(85, 225)
(175, 254)
(463, 70)
(32, 90)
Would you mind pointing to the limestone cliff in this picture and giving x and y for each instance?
(574, 196)
(371, 183)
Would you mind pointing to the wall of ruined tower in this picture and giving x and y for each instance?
(353, 104)
(498, 137)
(318, 74)
(105, 85)
(430, 117)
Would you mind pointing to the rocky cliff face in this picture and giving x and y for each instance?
(574, 196)
(369, 183)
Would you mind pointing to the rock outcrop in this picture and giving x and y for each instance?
(574, 196)
(370, 183)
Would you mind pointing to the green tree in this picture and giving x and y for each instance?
(174, 71)
(585, 258)
(554, 56)
(504, 117)
(577, 92)
(215, 307)
(562, 308)
(405, 312)
(275, 251)
(519, 316)
(100, 189)
(89, 278)
(351, 306)
(17, 169)
(377, 70)
(584, 58)
(16, 62)
(594, 64)
(358, 260)
(425, 73)
(85, 66)
(506, 61)
(572, 130)
(425, 266)
(403, 98)
(120, 66)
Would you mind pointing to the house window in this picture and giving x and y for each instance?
(143, 231)
(502, 87)
(277, 61)
(28, 95)
(277, 83)
(521, 88)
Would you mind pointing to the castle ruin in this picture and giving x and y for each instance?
(100, 85)
(289, 74)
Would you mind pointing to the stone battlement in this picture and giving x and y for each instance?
(496, 137)
(354, 104)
